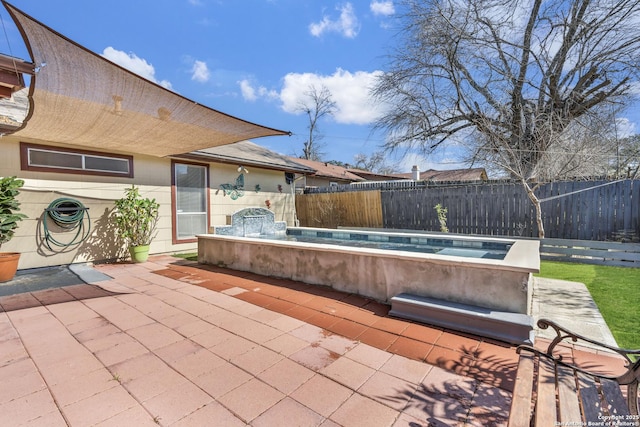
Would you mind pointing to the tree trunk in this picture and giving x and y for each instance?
(536, 203)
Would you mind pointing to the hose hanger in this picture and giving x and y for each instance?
(69, 215)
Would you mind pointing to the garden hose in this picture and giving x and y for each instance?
(69, 215)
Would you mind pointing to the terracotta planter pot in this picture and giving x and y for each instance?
(8, 265)
(139, 253)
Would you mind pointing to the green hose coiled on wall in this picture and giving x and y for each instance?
(69, 215)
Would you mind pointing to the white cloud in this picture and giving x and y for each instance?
(251, 93)
(347, 24)
(625, 127)
(384, 8)
(200, 72)
(350, 92)
(248, 92)
(135, 64)
(165, 84)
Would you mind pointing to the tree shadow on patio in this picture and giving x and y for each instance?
(472, 396)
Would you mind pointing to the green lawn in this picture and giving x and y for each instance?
(188, 256)
(616, 291)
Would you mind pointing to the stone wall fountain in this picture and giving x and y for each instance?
(252, 222)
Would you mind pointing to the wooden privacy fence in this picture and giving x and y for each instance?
(583, 210)
(352, 209)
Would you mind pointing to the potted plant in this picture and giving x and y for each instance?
(136, 219)
(9, 219)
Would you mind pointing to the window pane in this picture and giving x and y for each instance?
(188, 225)
(106, 164)
(55, 159)
(66, 160)
(190, 184)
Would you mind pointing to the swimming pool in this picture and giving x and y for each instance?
(490, 274)
(380, 273)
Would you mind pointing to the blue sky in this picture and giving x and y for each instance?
(254, 59)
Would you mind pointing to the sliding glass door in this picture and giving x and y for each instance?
(190, 200)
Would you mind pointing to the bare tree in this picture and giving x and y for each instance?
(318, 104)
(586, 148)
(513, 78)
(377, 162)
(627, 163)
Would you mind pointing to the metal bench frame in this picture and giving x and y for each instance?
(549, 391)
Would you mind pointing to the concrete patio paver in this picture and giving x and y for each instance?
(322, 395)
(37, 408)
(172, 343)
(288, 411)
(251, 399)
(348, 372)
(99, 407)
(388, 390)
(362, 411)
(286, 375)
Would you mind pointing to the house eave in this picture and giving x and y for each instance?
(206, 157)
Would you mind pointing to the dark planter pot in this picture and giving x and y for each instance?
(8, 265)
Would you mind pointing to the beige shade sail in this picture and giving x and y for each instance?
(78, 97)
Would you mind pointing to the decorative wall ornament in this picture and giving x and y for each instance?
(234, 190)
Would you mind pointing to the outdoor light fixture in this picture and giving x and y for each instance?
(242, 169)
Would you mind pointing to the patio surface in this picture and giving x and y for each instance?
(174, 343)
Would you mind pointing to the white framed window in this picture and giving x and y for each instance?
(44, 158)
(190, 200)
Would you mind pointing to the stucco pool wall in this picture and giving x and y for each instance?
(502, 285)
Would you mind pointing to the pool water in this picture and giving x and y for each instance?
(400, 242)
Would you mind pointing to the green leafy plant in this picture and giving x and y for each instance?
(442, 217)
(9, 205)
(136, 217)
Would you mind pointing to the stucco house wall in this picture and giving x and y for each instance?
(153, 177)
(272, 188)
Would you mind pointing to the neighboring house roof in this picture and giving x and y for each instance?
(78, 97)
(246, 153)
(11, 74)
(472, 174)
(329, 171)
(372, 176)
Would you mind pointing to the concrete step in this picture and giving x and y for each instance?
(514, 328)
